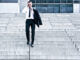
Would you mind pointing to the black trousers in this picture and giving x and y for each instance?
(30, 22)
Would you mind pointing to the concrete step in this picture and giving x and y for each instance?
(55, 58)
(11, 15)
(16, 57)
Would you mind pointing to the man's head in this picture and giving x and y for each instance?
(29, 4)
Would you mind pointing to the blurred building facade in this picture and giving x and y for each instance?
(43, 6)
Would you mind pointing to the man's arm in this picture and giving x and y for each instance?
(24, 10)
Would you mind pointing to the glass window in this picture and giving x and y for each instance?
(50, 1)
(76, 1)
(40, 1)
(63, 1)
(41, 8)
(69, 8)
(57, 1)
(33, 1)
(69, 1)
(54, 8)
(50, 8)
(66, 8)
(63, 8)
(8, 1)
(43, 1)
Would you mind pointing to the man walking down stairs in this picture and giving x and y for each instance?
(32, 19)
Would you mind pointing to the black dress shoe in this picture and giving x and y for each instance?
(27, 43)
(32, 45)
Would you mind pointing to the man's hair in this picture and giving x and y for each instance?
(29, 1)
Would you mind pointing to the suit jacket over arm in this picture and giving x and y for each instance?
(37, 18)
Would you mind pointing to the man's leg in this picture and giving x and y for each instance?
(33, 32)
(27, 32)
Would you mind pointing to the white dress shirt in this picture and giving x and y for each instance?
(26, 10)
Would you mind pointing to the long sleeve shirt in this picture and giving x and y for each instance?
(26, 11)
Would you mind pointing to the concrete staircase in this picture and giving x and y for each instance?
(57, 39)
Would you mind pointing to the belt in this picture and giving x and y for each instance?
(29, 19)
